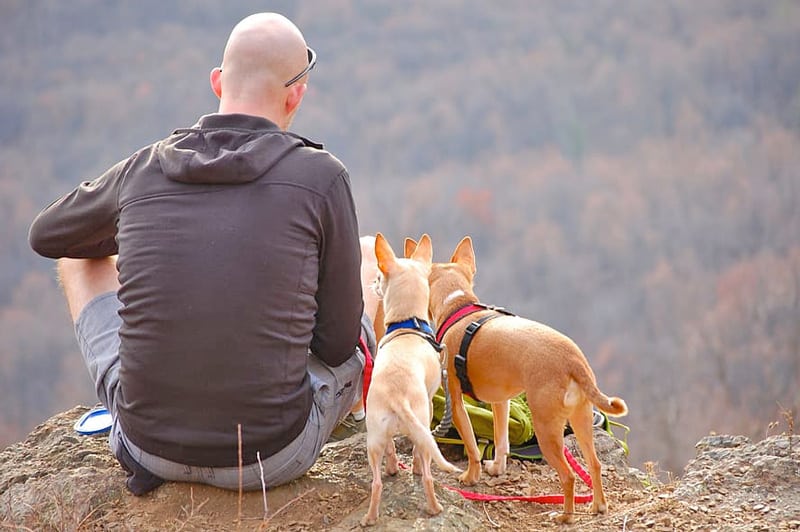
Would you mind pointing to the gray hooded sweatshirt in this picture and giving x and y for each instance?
(238, 254)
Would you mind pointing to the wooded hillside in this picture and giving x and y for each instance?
(629, 172)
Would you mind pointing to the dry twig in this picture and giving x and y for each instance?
(489, 517)
(239, 514)
(192, 508)
(285, 506)
(263, 484)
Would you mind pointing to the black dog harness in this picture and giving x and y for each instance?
(460, 359)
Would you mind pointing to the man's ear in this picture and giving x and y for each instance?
(216, 81)
(294, 97)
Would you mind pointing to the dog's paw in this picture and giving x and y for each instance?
(368, 521)
(495, 467)
(435, 509)
(470, 477)
(565, 519)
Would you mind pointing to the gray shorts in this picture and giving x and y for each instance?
(335, 391)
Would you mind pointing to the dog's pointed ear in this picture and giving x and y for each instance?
(409, 247)
(424, 250)
(384, 254)
(464, 254)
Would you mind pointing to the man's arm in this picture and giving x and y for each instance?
(338, 320)
(83, 223)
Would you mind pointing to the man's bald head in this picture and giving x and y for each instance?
(263, 52)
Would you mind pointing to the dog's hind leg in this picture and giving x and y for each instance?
(375, 450)
(433, 507)
(582, 426)
(550, 434)
(416, 464)
(391, 458)
(500, 413)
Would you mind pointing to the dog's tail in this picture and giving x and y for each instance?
(421, 436)
(613, 406)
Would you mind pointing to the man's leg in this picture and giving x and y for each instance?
(84, 279)
(369, 273)
(90, 286)
(354, 422)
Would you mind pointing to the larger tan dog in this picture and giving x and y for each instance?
(406, 374)
(510, 355)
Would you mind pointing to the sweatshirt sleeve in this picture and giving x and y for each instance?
(83, 223)
(339, 302)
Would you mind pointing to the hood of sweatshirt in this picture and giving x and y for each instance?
(226, 149)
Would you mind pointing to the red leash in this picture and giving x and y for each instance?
(541, 499)
(367, 369)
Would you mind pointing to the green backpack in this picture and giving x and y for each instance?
(521, 435)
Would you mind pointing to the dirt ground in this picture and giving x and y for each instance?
(59, 480)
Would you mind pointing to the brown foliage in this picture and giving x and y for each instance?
(628, 173)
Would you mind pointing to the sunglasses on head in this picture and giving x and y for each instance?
(312, 61)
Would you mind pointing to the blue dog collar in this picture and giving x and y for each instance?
(410, 323)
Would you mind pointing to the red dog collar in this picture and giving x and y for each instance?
(466, 310)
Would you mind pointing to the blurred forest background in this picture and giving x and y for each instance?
(629, 172)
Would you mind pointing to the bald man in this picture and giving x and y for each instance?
(214, 281)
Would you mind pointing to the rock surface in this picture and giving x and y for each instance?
(59, 480)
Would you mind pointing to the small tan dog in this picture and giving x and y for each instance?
(510, 355)
(406, 374)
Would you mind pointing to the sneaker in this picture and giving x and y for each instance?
(599, 420)
(347, 427)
